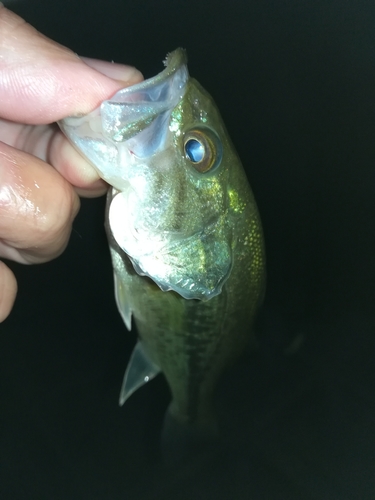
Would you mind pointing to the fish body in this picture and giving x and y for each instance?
(184, 233)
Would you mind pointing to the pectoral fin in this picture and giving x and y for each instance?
(139, 371)
(123, 303)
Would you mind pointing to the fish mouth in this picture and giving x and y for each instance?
(194, 265)
(102, 134)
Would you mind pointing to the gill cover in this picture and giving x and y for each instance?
(135, 140)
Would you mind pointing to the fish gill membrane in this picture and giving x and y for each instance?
(185, 239)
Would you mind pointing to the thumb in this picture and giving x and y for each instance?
(42, 81)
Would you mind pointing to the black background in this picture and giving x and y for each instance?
(295, 82)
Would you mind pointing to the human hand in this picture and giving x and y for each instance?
(41, 174)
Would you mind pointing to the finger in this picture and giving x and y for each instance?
(114, 70)
(48, 143)
(37, 208)
(72, 165)
(8, 290)
(42, 81)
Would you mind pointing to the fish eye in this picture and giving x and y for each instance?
(194, 150)
(203, 149)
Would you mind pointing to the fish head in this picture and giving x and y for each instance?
(163, 147)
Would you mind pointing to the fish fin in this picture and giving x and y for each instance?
(139, 371)
(122, 303)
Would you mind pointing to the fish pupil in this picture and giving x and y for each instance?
(194, 150)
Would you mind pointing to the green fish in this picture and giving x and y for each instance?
(184, 233)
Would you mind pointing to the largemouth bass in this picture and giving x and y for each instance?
(184, 233)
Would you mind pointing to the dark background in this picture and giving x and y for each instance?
(295, 82)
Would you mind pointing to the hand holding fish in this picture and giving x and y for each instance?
(41, 173)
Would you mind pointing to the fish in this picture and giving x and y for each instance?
(184, 233)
